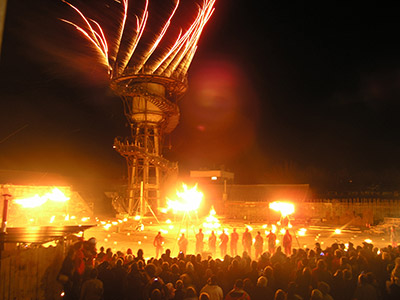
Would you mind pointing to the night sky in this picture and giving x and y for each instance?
(279, 92)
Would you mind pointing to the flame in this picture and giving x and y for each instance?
(211, 221)
(188, 200)
(302, 232)
(285, 208)
(56, 196)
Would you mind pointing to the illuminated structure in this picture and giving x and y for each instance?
(150, 79)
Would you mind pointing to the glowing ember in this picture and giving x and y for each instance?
(368, 241)
(188, 200)
(56, 196)
(285, 208)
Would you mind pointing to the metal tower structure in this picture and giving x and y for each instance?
(150, 105)
(150, 79)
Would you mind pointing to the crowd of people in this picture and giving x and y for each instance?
(336, 272)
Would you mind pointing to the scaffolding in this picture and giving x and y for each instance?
(150, 106)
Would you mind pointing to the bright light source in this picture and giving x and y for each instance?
(214, 178)
(55, 195)
(211, 221)
(187, 200)
(338, 231)
(285, 208)
(302, 232)
(368, 241)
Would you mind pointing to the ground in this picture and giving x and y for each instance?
(124, 233)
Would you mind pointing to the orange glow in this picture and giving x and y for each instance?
(302, 232)
(56, 196)
(285, 208)
(211, 222)
(187, 200)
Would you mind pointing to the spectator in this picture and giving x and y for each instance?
(280, 295)
(92, 289)
(324, 288)
(271, 242)
(200, 241)
(234, 240)
(190, 294)
(247, 241)
(316, 295)
(212, 243)
(262, 291)
(212, 289)
(237, 293)
(183, 244)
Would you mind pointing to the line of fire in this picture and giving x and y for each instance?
(43, 214)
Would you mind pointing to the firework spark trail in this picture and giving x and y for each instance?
(158, 40)
(175, 51)
(97, 39)
(174, 63)
(140, 28)
(189, 40)
(113, 56)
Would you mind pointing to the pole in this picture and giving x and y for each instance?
(3, 8)
(5, 214)
(3, 229)
(141, 199)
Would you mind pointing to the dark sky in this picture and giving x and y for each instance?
(304, 92)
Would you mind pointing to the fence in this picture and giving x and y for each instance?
(30, 274)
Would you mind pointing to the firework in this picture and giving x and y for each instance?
(123, 56)
(149, 73)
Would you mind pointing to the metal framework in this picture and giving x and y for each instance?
(150, 105)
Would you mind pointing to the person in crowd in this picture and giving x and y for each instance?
(223, 244)
(132, 279)
(325, 290)
(183, 244)
(280, 295)
(365, 290)
(92, 289)
(262, 291)
(234, 238)
(200, 241)
(67, 274)
(287, 243)
(204, 296)
(316, 295)
(158, 243)
(212, 243)
(190, 294)
(247, 241)
(237, 293)
(213, 290)
(258, 245)
(271, 242)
